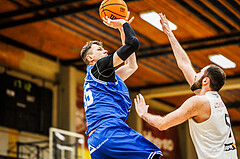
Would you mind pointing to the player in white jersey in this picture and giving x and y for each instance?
(214, 138)
(209, 122)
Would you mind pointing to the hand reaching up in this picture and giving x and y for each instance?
(164, 23)
(140, 105)
(117, 23)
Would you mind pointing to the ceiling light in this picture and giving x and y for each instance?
(154, 19)
(222, 61)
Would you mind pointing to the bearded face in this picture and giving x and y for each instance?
(197, 84)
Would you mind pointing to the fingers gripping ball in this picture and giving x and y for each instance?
(114, 9)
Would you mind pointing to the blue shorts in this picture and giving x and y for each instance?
(116, 140)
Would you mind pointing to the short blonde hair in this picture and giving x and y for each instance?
(86, 50)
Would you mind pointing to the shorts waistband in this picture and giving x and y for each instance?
(105, 121)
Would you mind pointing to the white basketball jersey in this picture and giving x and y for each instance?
(213, 138)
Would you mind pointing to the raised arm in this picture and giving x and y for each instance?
(130, 65)
(181, 56)
(127, 51)
(190, 108)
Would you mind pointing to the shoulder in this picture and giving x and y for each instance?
(200, 108)
(105, 60)
(198, 100)
(103, 69)
(198, 104)
(103, 64)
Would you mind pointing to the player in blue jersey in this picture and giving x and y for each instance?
(107, 102)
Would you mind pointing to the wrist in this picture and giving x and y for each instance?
(120, 29)
(143, 115)
(170, 34)
(123, 21)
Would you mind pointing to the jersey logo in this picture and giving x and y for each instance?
(219, 105)
(230, 146)
(91, 149)
(227, 120)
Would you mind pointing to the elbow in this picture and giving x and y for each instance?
(161, 126)
(134, 43)
(135, 67)
(184, 65)
(181, 64)
(181, 67)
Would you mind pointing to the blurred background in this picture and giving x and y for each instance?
(42, 76)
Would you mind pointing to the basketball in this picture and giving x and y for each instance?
(114, 9)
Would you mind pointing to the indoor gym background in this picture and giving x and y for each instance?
(42, 75)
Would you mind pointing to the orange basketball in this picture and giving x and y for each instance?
(114, 9)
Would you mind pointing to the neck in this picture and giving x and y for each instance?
(204, 90)
(92, 63)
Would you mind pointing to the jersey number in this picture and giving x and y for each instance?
(227, 119)
(88, 98)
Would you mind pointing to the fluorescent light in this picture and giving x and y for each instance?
(222, 61)
(60, 136)
(154, 19)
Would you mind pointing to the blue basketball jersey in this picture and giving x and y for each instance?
(104, 100)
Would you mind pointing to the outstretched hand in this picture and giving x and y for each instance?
(164, 23)
(127, 18)
(117, 23)
(140, 105)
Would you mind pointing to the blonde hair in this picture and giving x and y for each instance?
(86, 50)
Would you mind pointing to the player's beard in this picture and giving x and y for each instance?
(197, 85)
